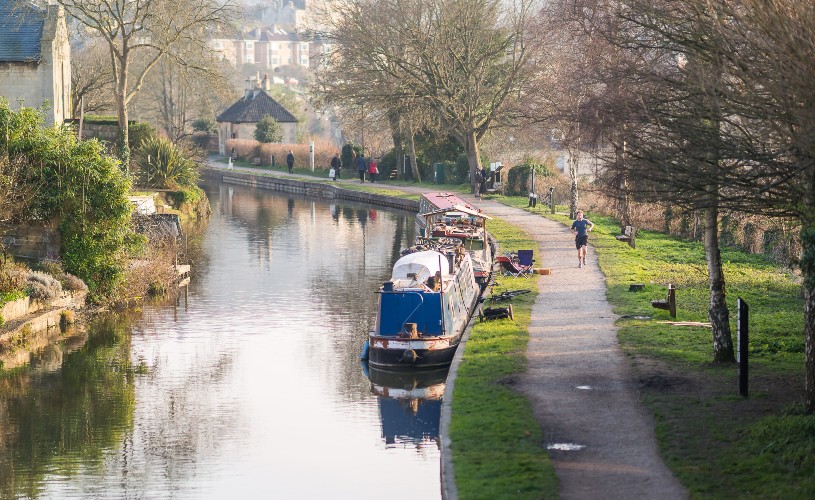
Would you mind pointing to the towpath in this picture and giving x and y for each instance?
(601, 439)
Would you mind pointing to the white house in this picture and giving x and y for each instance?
(35, 58)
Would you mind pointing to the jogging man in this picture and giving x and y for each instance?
(581, 228)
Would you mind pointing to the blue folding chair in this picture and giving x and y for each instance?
(517, 268)
(525, 260)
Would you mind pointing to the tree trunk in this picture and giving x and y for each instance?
(717, 313)
(808, 271)
(396, 134)
(414, 167)
(122, 146)
(473, 158)
(574, 156)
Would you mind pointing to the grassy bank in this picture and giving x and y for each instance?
(496, 440)
(719, 444)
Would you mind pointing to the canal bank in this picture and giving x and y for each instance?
(302, 185)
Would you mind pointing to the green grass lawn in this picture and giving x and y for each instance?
(719, 444)
(496, 441)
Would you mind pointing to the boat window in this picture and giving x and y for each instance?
(474, 244)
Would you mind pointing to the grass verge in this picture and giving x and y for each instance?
(497, 449)
(719, 444)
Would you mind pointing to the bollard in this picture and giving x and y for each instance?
(552, 199)
(742, 347)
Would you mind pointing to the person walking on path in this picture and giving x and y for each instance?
(290, 160)
(362, 167)
(581, 228)
(373, 169)
(480, 182)
(336, 164)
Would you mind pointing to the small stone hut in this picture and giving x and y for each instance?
(240, 120)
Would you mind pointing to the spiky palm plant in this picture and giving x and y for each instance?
(164, 165)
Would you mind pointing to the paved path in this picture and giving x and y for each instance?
(577, 380)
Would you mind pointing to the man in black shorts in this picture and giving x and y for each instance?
(581, 228)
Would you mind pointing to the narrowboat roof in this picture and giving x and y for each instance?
(462, 209)
(446, 200)
(421, 265)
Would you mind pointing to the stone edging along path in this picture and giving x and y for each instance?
(599, 436)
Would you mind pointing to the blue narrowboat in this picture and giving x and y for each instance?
(424, 309)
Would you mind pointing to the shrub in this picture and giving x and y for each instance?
(12, 277)
(52, 267)
(78, 185)
(268, 130)
(204, 125)
(518, 178)
(348, 153)
(164, 165)
(73, 283)
(43, 287)
(138, 132)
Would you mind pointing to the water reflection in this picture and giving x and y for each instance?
(72, 403)
(247, 386)
(409, 405)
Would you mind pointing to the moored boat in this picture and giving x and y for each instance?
(445, 215)
(424, 308)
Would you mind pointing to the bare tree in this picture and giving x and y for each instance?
(461, 60)
(179, 90)
(147, 31)
(91, 77)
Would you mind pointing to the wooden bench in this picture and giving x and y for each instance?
(669, 304)
(629, 236)
(255, 161)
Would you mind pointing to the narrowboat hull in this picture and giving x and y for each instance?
(409, 354)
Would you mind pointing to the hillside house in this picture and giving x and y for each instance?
(35, 58)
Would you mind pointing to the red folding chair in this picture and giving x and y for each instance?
(513, 268)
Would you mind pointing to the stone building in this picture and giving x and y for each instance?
(35, 58)
(240, 120)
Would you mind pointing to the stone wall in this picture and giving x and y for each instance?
(322, 190)
(31, 242)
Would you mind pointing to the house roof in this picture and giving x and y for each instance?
(21, 30)
(254, 107)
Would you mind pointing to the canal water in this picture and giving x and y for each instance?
(249, 386)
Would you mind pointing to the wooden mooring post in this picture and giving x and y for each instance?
(742, 346)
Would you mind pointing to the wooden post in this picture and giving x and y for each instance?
(672, 300)
(742, 346)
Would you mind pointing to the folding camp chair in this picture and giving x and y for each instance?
(513, 268)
